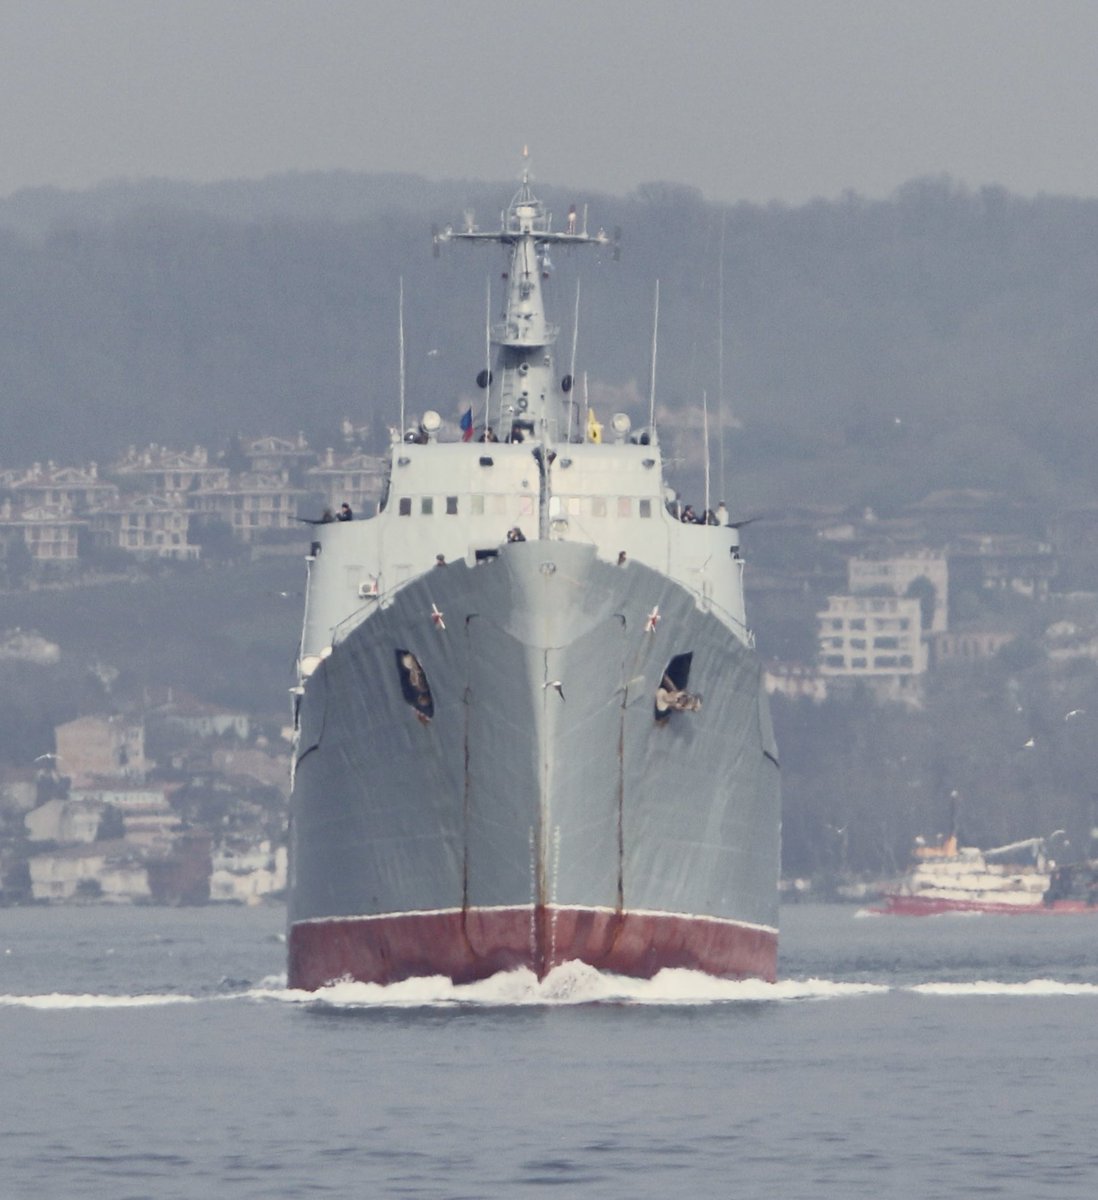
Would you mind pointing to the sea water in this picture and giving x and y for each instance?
(148, 1053)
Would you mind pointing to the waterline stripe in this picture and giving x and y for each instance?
(559, 908)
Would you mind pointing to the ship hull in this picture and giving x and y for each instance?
(476, 944)
(542, 812)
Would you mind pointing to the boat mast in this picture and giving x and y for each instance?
(531, 400)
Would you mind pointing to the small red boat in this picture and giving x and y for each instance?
(1017, 878)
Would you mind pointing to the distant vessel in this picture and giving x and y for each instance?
(529, 722)
(1017, 878)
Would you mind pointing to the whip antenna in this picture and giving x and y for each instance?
(720, 359)
(401, 325)
(652, 381)
(487, 351)
(572, 364)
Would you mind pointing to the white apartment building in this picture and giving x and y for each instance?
(895, 573)
(871, 636)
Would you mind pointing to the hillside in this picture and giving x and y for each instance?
(873, 351)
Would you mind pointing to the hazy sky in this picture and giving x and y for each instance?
(744, 99)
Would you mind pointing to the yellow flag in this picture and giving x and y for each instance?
(594, 429)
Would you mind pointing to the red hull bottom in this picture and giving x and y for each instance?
(920, 906)
(476, 944)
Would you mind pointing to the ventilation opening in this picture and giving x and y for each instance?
(671, 694)
(414, 685)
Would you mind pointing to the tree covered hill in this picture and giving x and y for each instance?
(873, 350)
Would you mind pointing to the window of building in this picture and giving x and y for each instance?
(833, 660)
(598, 506)
(427, 505)
(405, 506)
(857, 664)
(625, 506)
(644, 509)
(885, 660)
(857, 622)
(886, 643)
(476, 506)
(857, 643)
(451, 506)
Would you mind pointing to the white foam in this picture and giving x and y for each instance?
(572, 983)
(991, 987)
(60, 1000)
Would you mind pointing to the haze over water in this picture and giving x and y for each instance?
(157, 1053)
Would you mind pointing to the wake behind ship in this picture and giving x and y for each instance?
(529, 720)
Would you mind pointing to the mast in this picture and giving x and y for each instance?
(531, 401)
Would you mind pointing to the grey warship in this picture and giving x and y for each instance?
(529, 720)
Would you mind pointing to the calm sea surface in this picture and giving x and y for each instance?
(156, 1053)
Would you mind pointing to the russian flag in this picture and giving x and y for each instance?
(467, 424)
